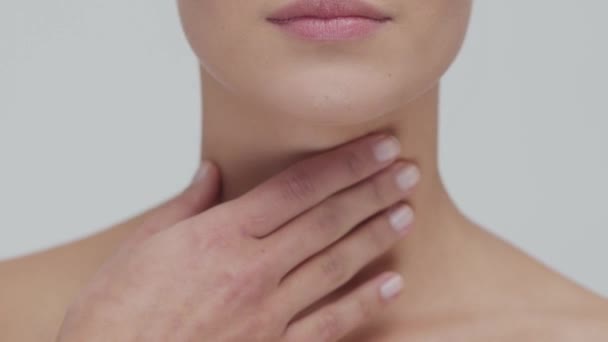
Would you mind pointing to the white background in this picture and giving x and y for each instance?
(99, 120)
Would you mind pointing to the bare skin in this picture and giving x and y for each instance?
(242, 269)
(39, 287)
(454, 289)
(462, 283)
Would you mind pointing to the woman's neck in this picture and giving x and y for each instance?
(250, 145)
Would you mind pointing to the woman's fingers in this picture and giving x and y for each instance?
(333, 267)
(306, 183)
(336, 216)
(334, 321)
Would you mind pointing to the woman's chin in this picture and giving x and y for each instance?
(332, 103)
(329, 109)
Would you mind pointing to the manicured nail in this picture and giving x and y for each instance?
(202, 172)
(391, 287)
(408, 177)
(387, 149)
(401, 218)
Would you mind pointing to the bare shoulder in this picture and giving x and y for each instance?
(589, 324)
(36, 289)
(31, 294)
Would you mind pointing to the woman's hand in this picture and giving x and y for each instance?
(243, 269)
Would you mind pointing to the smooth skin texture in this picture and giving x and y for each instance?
(243, 269)
(271, 101)
(294, 97)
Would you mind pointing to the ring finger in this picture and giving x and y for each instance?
(331, 268)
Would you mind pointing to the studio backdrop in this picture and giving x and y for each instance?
(99, 120)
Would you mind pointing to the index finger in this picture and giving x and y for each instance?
(308, 182)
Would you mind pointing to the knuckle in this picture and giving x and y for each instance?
(355, 163)
(252, 223)
(204, 240)
(256, 266)
(243, 292)
(378, 235)
(246, 286)
(265, 265)
(263, 326)
(260, 272)
(195, 240)
(376, 191)
(364, 309)
(297, 184)
(328, 217)
(334, 268)
(329, 326)
(273, 316)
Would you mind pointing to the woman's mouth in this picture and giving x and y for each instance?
(329, 19)
(338, 28)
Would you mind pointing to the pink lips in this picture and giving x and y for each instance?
(329, 19)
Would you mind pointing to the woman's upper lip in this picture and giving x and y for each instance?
(328, 9)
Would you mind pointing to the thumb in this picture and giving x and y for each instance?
(198, 196)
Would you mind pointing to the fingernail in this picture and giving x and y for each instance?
(401, 218)
(391, 287)
(408, 177)
(387, 149)
(202, 172)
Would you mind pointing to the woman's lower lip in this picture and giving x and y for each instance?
(339, 28)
